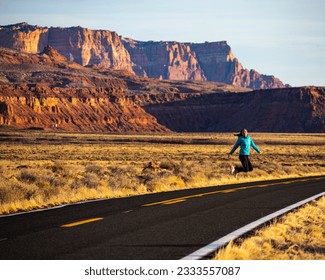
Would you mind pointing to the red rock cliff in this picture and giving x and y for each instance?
(188, 61)
(72, 110)
(166, 60)
(78, 44)
(46, 91)
(219, 64)
(274, 110)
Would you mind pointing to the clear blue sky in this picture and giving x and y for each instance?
(285, 38)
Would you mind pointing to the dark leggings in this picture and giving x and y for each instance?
(246, 164)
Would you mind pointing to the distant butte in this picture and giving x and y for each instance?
(162, 60)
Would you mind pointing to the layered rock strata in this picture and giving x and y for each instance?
(163, 60)
(220, 65)
(48, 92)
(81, 45)
(277, 110)
(73, 110)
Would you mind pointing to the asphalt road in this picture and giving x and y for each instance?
(166, 225)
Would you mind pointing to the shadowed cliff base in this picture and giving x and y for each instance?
(277, 110)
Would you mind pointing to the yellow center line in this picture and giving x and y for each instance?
(82, 222)
(184, 198)
(228, 191)
(175, 201)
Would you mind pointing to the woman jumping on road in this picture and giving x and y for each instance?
(245, 142)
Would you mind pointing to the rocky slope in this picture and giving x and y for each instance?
(163, 60)
(72, 110)
(276, 110)
(46, 91)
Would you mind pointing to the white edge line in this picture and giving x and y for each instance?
(33, 211)
(215, 245)
(64, 205)
(3, 239)
(54, 207)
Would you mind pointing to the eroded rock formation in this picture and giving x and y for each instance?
(81, 45)
(163, 60)
(47, 91)
(73, 110)
(274, 110)
(220, 65)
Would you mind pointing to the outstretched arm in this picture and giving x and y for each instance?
(255, 147)
(234, 147)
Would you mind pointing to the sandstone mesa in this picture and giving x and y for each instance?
(75, 79)
(165, 60)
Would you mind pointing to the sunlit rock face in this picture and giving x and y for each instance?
(81, 45)
(47, 91)
(209, 61)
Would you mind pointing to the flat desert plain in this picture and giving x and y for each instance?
(42, 169)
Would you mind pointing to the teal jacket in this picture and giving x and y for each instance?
(245, 144)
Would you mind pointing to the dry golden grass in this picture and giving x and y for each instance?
(299, 235)
(39, 169)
